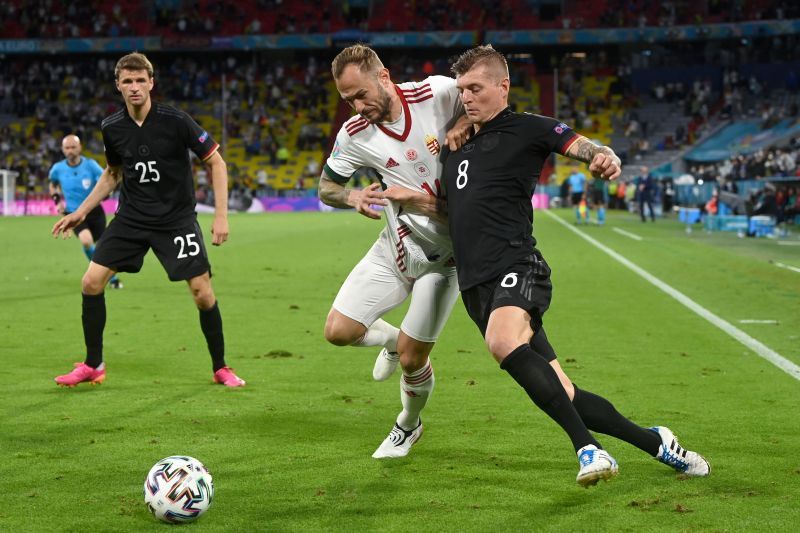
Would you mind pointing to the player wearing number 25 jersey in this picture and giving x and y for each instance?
(147, 149)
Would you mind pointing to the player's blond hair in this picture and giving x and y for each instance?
(484, 54)
(133, 61)
(359, 54)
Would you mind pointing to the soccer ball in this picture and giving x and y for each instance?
(178, 489)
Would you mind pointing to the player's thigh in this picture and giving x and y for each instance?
(121, 248)
(432, 300)
(372, 289)
(85, 236)
(526, 285)
(181, 251)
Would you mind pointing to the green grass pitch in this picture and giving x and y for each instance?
(291, 451)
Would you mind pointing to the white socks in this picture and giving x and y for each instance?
(415, 389)
(380, 333)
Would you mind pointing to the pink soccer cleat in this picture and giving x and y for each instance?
(225, 376)
(83, 372)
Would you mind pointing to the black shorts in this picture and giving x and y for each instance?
(525, 285)
(95, 222)
(181, 252)
(598, 197)
(576, 198)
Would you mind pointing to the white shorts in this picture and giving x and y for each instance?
(375, 286)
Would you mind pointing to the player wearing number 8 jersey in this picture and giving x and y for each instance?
(504, 280)
(399, 131)
(147, 149)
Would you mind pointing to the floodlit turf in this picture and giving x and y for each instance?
(291, 451)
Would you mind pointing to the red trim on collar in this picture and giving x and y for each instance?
(407, 129)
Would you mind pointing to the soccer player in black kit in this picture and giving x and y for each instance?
(504, 280)
(147, 149)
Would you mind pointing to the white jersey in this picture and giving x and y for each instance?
(405, 153)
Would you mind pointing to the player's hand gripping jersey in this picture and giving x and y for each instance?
(405, 153)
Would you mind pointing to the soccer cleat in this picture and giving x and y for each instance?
(671, 453)
(226, 376)
(83, 372)
(115, 284)
(398, 443)
(595, 464)
(385, 365)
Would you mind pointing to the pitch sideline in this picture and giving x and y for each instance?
(759, 348)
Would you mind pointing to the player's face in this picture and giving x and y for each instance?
(135, 86)
(71, 148)
(483, 94)
(366, 93)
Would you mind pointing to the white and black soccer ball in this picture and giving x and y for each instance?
(178, 489)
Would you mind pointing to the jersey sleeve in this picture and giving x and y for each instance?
(197, 139)
(343, 162)
(113, 157)
(53, 175)
(446, 94)
(550, 135)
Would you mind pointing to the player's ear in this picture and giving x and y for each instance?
(505, 85)
(383, 77)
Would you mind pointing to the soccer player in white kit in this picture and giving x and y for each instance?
(398, 131)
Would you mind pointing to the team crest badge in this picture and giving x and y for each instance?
(432, 144)
(411, 154)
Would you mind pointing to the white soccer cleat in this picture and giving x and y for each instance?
(385, 365)
(596, 464)
(398, 443)
(671, 453)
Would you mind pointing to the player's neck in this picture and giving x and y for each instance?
(139, 112)
(74, 162)
(396, 110)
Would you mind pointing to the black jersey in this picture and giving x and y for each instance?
(157, 186)
(490, 182)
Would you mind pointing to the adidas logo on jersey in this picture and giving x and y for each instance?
(391, 163)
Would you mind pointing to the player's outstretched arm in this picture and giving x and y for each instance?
(218, 171)
(421, 203)
(336, 195)
(603, 162)
(105, 185)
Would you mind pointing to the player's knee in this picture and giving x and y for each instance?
(203, 297)
(91, 284)
(411, 361)
(341, 331)
(499, 347)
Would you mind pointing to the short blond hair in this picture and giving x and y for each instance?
(133, 61)
(484, 54)
(359, 54)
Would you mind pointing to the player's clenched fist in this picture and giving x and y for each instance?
(605, 166)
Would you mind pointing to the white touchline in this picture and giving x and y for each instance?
(755, 321)
(789, 243)
(627, 234)
(760, 349)
(789, 267)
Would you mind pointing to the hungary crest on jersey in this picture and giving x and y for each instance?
(432, 144)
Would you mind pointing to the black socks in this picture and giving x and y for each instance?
(601, 416)
(94, 322)
(211, 324)
(541, 382)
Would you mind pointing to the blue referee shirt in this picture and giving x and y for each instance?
(76, 182)
(576, 182)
